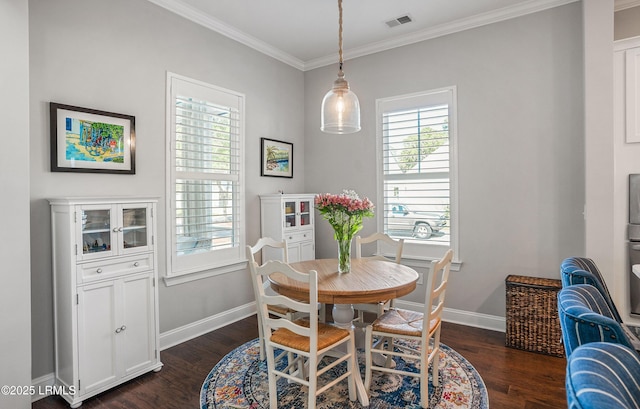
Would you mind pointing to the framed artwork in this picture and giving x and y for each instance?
(277, 158)
(92, 141)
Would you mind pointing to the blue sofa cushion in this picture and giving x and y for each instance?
(586, 317)
(582, 270)
(603, 375)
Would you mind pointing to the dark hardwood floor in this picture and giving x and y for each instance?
(515, 379)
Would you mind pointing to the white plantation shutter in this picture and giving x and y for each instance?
(417, 171)
(206, 178)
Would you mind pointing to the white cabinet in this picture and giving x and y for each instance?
(626, 81)
(105, 294)
(632, 91)
(289, 217)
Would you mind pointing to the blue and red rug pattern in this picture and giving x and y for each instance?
(240, 380)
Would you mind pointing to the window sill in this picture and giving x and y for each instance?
(199, 274)
(421, 262)
(425, 262)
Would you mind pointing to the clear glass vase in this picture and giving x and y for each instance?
(344, 255)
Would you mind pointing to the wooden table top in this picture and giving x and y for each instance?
(368, 281)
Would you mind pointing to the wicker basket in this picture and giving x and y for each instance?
(532, 315)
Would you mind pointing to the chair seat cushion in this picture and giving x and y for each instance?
(327, 336)
(402, 322)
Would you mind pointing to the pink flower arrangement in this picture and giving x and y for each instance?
(348, 203)
(344, 213)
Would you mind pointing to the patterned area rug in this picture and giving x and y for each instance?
(240, 380)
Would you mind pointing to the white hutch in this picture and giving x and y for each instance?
(105, 292)
(289, 217)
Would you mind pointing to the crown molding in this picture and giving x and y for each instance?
(479, 20)
(180, 8)
(625, 4)
(532, 6)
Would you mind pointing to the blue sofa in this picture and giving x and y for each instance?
(582, 270)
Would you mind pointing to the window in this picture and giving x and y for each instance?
(416, 135)
(205, 181)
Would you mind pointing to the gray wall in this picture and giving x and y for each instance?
(520, 121)
(626, 23)
(113, 56)
(520, 143)
(15, 306)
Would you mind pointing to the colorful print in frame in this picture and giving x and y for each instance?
(277, 158)
(88, 140)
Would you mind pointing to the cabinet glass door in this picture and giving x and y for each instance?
(290, 214)
(95, 231)
(305, 213)
(135, 228)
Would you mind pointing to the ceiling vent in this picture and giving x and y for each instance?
(398, 21)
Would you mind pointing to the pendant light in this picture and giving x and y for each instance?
(340, 107)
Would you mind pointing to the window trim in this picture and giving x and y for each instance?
(424, 251)
(208, 269)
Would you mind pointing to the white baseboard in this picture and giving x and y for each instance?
(41, 385)
(195, 329)
(472, 319)
(203, 326)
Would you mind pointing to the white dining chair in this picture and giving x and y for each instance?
(380, 307)
(420, 328)
(278, 310)
(306, 339)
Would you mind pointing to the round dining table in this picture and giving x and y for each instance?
(369, 280)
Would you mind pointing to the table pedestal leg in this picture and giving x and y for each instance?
(343, 315)
(343, 318)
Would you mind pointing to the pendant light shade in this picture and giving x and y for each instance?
(340, 109)
(340, 112)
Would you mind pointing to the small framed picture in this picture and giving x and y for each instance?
(88, 140)
(277, 158)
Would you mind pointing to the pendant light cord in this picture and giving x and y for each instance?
(340, 32)
(340, 112)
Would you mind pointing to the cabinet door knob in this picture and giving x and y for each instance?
(99, 271)
(119, 330)
(119, 229)
(136, 264)
(115, 229)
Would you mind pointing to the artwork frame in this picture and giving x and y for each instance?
(282, 164)
(77, 145)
